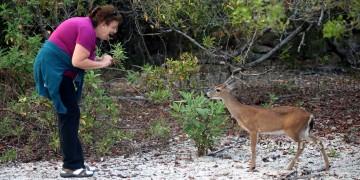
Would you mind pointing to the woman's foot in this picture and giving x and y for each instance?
(66, 173)
(91, 168)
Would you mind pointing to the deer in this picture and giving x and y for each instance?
(295, 122)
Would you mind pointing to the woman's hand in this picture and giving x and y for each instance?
(80, 59)
(106, 60)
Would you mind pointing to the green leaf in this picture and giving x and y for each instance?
(334, 28)
(203, 112)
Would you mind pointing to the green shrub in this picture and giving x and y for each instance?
(152, 77)
(7, 156)
(334, 28)
(6, 125)
(201, 119)
(174, 73)
(99, 116)
(32, 123)
(29, 122)
(132, 77)
(159, 129)
(159, 96)
(180, 70)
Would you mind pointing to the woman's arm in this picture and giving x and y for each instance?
(80, 59)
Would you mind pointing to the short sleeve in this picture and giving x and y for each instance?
(87, 38)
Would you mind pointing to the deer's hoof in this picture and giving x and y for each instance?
(252, 169)
(327, 168)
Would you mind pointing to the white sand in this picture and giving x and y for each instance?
(180, 162)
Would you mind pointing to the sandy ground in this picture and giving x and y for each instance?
(179, 161)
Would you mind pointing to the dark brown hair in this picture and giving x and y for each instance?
(106, 13)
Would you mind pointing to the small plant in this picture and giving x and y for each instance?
(239, 59)
(6, 124)
(203, 120)
(152, 77)
(292, 150)
(93, 80)
(286, 55)
(54, 141)
(180, 70)
(325, 60)
(333, 153)
(7, 156)
(334, 28)
(104, 144)
(208, 42)
(119, 55)
(160, 129)
(160, 95)
(272, 99)
(132, 76)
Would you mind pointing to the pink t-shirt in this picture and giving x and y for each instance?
(75, 30)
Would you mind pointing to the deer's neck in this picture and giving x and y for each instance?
(235, 107)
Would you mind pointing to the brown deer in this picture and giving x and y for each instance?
(294, 122)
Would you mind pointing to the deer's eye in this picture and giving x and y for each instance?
(217, 90)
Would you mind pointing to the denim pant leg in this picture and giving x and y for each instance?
(68, 127)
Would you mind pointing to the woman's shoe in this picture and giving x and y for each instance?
(66, 173)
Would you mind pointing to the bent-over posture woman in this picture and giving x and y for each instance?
(59, 72)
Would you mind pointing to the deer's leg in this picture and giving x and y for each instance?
(322, 150)
(253, 140)
(301, 146)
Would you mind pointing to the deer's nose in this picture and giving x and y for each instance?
(206, 91)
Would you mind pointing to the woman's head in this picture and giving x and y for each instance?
(106, 20)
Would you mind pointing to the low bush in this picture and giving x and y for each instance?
(201, 119)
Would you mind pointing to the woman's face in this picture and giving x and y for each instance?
(103, 30)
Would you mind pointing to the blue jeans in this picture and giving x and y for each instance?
(68, 125)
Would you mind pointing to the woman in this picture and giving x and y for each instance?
(59, 70)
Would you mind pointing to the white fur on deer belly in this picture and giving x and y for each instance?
(280, 132)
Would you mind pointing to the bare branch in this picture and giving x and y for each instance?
(321, 15)
(251, 43)
(190, 39)
(303, 37)
(241, 50)
(355, 68)
(226, 148)
(135, 98)
(239, 70)
(277, 47)
(301, 42)
(258, 74)
(198, 44)
(140, 33)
